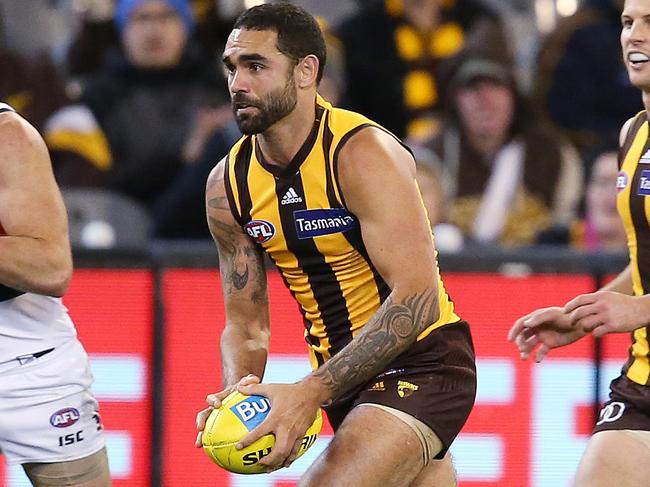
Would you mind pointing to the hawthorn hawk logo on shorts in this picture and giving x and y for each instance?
(260, 230)
(65, 417)
(405, 389)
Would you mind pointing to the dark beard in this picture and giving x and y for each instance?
(272, 108)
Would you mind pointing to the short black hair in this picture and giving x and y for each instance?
(299, 34)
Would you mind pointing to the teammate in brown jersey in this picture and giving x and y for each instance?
(618, 453)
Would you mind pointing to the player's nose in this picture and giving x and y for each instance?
(238, 83)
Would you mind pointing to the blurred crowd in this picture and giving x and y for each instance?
(132, 101)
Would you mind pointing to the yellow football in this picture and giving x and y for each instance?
(238, 415)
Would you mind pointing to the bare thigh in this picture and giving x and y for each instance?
(439, 473)
(90, 471)
(372, 448)
(615, 457)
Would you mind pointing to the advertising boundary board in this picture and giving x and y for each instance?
(161, 260)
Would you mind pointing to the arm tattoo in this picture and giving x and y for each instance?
(224, 236)
(259, 294)
(239, 280)
(236, 255)
(391, 331)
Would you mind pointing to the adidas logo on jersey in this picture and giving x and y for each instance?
(290, 197)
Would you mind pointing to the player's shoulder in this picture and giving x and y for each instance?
(374, 148)
(216, 177)
(354, 130)
(10, 121)
(374, 158)
(242, 147)
(347, 118)
(16, 132)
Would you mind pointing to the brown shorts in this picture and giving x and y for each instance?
(434, 381)
(627, 409)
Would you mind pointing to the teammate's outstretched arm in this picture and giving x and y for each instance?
(547, 328)
(613, 309)
(543, 330)
(34, 247)
(245, 338)
(377, 178)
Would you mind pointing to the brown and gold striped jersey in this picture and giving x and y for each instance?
(633, 203)
(299, 217)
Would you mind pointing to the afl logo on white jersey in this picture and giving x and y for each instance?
(260, 230)
(64, 418)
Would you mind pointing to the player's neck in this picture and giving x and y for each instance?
(646, 100)
(282, 141)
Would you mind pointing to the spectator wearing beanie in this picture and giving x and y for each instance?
(98, 32)
(136, 117)
(125, 9)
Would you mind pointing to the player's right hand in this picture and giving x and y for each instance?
(544, 329)
(214, 402)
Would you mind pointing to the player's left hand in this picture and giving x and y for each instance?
(605, 312)
(293, 409)
(214, 402)
(543, 330)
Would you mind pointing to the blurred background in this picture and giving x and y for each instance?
(512, 108)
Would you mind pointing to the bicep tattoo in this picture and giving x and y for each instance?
(241, 263)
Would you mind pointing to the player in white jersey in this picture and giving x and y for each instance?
(49, 419)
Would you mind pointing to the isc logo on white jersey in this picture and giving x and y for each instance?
(290, 197)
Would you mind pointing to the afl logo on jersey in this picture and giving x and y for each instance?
(260, 230)
(621, 181)
(64, 418)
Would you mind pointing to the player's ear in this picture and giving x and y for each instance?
(307, 70)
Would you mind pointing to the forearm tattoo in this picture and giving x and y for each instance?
(239, 259)
(391, 331)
